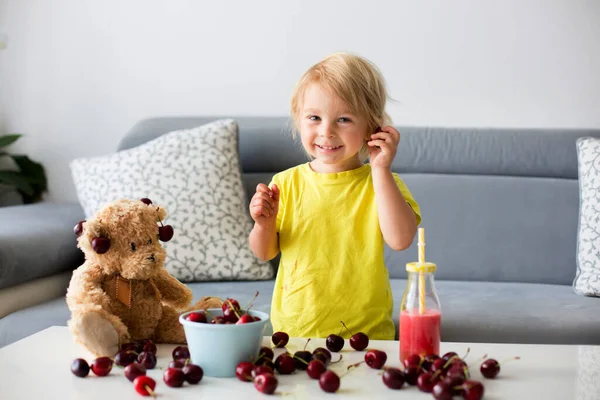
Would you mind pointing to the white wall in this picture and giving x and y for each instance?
(76, 74)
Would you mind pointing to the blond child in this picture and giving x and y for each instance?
(329, 217)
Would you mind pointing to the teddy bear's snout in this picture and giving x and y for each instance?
(152, 258)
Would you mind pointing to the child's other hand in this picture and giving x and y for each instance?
(383, 146)
(264, 204)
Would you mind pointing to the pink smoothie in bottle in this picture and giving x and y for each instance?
(419, 333)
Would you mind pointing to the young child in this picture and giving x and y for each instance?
(330, 216)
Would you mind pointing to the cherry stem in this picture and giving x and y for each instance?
(251, 301)
(233, 308)
(150, 391)
(468, 351)
(300, 359)
(449, 361)
(344, 325)
(209, 314)
(484, 357)
(304, 349)
(354, 365)
(335, 362)
(509, 359)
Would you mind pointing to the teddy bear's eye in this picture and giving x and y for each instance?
(132, 246)
(150, 241)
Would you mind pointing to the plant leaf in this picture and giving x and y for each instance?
(5, 140)
(16, 180)
(31, 170)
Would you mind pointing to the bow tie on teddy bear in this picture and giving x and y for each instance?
(122, 291)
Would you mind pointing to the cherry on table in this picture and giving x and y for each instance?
(134, 370)
(449, 355)
(412, 374)
(329, 381)
(413, 360)
(80, 367)
(178, 364)
(193, 373)
(302, 358)
(262, 369)
(375, 358)
(315, 369)
(102, 366)
(131, 346)
(280, 339)
(244, 371)
(455, 382)
(149, 346)
(144, 385)
(334, 343)
(181, 352)
(173, 377)
(393, 378)
(490, 368)
(324, 351)
(441, 391)
(472, 390)
(125, 357)
(147, 359)
(265, 383)
(285, 364)
(266, 353)
(426, 381)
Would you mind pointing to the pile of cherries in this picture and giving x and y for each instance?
(136, 358)
(232, 314)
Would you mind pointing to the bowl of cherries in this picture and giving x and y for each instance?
(219, 339)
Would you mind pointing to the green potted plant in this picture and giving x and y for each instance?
(27, 177)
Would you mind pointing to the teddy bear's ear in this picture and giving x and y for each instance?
(161, 212)
(93, 232)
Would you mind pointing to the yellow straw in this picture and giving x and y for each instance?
(421, 244)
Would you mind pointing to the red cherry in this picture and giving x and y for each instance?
(125, 357)
(265, 383)
(218, 320)
(375, 358)
(246, 318)
(280, 339)
(78, 229)
(265, 353)
(100, 245)
(149, 346)
(321, 352)
(174, 377)
(178, 364)
(490, 368)
(315, 369)
(329, 382)
(230, 303)
(197, 317)
(334, 343)
(472, 390)
(285, 364)
(193, 373)
(393, 378)
(165, 233)
(358, 341)
(146, 201)
(102, 366)
(413, 361)
(180, 352)
(426, 381)
(244, 371)
(441, 391)
(412, 374)
(80, 367)
(262, 369)
(144, 385)
(230, 315)
(147, 359)
(134, 370)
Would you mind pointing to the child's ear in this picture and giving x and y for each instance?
(378, 129)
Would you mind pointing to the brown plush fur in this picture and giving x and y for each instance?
(100, 319)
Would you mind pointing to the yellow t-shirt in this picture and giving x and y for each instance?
(332, 267)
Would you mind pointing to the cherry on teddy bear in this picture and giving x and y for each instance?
(122, 291)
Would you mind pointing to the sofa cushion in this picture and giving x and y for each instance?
(195, 173)
(471, 311)
(587, 280)
(37, 240)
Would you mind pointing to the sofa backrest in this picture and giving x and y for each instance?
(497, 204)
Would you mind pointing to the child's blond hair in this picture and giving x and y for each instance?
(356, 81)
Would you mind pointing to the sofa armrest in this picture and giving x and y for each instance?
(37, 241)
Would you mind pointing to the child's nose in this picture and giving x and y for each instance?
(326, 131)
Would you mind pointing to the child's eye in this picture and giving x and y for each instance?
(132, 246)
(313, 117)
(344, 119)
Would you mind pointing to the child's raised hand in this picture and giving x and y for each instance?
(383, 146)
(264, 204)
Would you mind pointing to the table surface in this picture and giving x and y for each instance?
(38, 367)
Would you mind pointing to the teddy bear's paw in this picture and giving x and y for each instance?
(97, 333)
(207, 302)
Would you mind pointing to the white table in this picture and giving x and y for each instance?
(38, 367)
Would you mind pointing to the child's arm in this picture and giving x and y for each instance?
(264, 207)
(396, 218)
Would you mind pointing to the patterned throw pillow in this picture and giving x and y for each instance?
(587, 281)
(195, 174)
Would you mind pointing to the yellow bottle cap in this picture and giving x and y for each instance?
(416, 266)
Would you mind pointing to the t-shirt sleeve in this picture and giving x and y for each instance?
(408, 197)
(278, 181)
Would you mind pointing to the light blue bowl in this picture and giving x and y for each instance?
(218, 349)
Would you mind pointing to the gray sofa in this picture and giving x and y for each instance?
(500, 208)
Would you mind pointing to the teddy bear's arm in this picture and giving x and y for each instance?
(172, 292)
(86, 288)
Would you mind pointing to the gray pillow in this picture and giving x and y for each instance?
(195, 174)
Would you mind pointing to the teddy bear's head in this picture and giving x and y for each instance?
(123, 238)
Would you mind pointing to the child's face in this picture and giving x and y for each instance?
(329, 132)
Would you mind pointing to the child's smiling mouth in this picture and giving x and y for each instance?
(328, 148)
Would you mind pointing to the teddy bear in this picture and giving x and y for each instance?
(122, 292)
